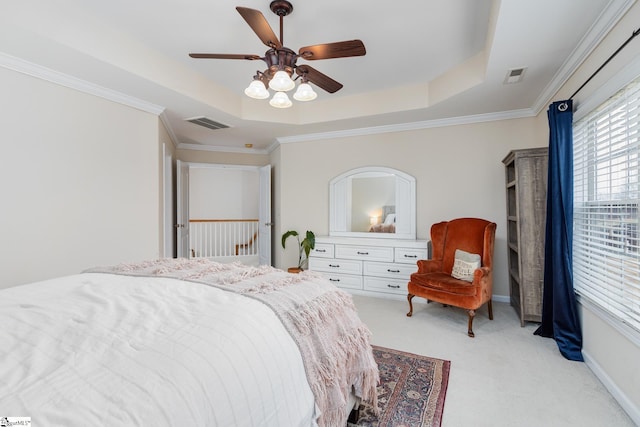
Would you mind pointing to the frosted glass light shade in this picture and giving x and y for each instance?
(280, 100)
(305, 93)
(256, 90)
(281, 82)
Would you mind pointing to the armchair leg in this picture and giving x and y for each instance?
(490, 307)
(472, 314)
(409, 298)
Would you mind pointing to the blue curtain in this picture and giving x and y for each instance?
(560, 319)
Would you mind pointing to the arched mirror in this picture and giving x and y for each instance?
(373, 202)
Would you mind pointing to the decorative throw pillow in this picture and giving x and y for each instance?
(464, 265)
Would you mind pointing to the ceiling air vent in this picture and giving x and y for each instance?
(207, 122)
(515, 75)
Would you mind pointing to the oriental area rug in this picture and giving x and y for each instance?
(411, 391)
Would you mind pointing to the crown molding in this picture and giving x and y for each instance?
(615, 83)
(373, 130)
(427, 124)
(44, 73)
(167, 126)
(275, 144)
(220, 148)
(609, 18)
(614, 11)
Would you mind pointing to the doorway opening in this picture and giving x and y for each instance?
(224, 213)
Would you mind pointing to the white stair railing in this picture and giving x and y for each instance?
(212, 238)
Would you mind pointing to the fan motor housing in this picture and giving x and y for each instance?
(281, 59)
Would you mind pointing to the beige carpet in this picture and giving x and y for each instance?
(505, 376)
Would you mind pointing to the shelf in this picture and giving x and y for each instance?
(514, 275)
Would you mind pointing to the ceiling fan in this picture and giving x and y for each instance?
(281, 61)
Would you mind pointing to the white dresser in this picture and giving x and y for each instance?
(379, 267)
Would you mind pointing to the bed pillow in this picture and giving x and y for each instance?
(390, 219)
(464, 265)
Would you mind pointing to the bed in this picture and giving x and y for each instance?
(389, 223)
(183, 342)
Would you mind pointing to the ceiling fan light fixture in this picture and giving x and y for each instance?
(305, 93)
(280, 100)
(281, 82)
(256, 90)
(281, 61)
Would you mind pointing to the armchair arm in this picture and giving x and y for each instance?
(429, 265)
(483, 281)
(481, 273)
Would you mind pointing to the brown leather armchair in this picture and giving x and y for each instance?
(433, 279)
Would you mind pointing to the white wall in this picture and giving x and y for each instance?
(458, 169)
(223, 193)
(80, 181)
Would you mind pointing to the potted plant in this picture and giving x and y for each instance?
(304, 248)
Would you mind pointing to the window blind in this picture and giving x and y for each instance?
(606, 248)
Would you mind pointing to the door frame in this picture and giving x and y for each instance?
(169, 206)
(265, 215)
(182, 209)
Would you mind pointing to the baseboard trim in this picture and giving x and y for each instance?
(398, 297)
(627, 405)
(501, 298)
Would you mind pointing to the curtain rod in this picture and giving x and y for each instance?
(633, 35)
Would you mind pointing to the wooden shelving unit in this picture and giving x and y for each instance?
(526, 188)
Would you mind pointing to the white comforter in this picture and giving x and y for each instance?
(101, 349)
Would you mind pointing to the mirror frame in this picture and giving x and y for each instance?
(340, 204)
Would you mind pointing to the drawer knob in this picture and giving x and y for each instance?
(393, 271)
(321, 250)
(410, 256)
(394, 286)
(363, 253)
(334, 280)
(334, 265)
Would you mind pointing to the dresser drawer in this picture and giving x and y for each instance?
(364, 253)
(409, 256)
(346, 281)
(391, 270)
(390, 286)
(331, 265)
(322, 250)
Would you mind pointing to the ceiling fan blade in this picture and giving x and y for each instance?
(321, 80)
(223, 56)
(333, 50)
(260, 26)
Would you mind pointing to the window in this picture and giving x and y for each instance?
(606, 244)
